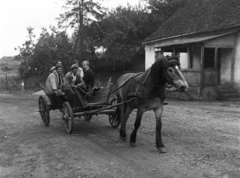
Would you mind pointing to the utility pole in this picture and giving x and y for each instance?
(80, 35)
(81, 30)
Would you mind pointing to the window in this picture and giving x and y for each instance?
(209, 55)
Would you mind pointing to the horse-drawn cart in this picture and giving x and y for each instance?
(100, 101)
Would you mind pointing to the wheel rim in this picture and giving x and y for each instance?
(68, 117)
(113, 117)
(43, 110)
(113, 120)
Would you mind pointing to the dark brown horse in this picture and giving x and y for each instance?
(146, 91)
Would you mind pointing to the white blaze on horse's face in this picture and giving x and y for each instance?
(177, 79)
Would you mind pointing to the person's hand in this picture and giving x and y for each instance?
(59, 91)
(84, 87)
(88, 88)
(56, 91)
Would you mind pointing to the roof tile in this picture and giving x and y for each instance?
(200, 16)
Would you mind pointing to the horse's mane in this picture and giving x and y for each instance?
(158, 69)
(157, 72)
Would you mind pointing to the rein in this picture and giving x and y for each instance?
(143, 84)
(106, 88)
(169, 81)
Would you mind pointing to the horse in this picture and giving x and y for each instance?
(147, 91)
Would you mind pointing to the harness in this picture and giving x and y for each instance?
(139, 93)
(136, 93)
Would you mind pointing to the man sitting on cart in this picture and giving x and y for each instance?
(75, 81)
(54, 83)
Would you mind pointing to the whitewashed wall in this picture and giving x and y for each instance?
(197, 58)
(149, 56)
(221, 42)
(237, 63)
(184, 60)
(226, 62)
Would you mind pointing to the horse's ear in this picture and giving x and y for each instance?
(158, 58)
(177, 56)
(174, 57)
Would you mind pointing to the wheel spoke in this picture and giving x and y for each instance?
(44, 110)
(68, 117)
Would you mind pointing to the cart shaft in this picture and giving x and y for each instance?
(107, 111)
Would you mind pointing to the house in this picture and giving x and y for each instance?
(206, 35)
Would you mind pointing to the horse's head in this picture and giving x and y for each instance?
(174, 75)
(167, 70)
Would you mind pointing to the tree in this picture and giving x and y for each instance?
(121, 35)
(122, 31)
(161, 10)
(92, 11)
(51, 47)
(26, 53)
(37, 58)
(78, 15)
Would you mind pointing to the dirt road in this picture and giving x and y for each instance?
(202, 141)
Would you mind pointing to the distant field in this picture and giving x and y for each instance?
(9, 66)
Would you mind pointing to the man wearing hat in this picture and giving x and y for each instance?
(80, 70)
(73, 77)
(54, 81)
(75, 81)
(53, 69)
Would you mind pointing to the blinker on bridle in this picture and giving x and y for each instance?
(169, 79)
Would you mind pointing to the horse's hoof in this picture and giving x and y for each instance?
(133, 144)
(123, 138)
(162, 150)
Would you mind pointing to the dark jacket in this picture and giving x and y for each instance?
(89, 77)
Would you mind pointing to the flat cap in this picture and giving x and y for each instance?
(74, 66)
(53, 68)
(59, 66)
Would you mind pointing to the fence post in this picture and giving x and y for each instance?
(6, 82)
(22, 84)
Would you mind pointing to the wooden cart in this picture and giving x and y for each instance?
(100, 101)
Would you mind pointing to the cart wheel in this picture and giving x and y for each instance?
(113, 119)
(44, 110)
(68, 117)
(88, 117)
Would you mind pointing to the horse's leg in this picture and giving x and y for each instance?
(123, 134)
(125, 112)
(158, 115)
(136, 126)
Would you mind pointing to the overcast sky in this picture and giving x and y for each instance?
(17, 15)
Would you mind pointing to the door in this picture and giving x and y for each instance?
(210, 71)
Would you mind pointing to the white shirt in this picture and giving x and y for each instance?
(74, 78)
(80, 70)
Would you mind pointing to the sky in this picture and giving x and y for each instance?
(17, 15)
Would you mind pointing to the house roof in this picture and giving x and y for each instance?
(199, 16)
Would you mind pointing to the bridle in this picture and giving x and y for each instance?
(169, 79)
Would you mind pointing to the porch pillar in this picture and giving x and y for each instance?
(234, 54)
(216, 65)
(174, 52)
(189, 53)
(202, 73)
